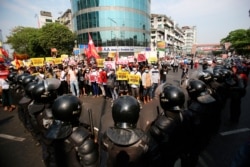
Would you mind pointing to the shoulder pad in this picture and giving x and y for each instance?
(25, 100)
(36, 108)
(79, 136)
(58, 130)
(194, 106)
(124, 136)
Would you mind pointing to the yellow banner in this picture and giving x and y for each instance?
(27, 62)
(111, 54)
(134, 79)
(122, 75)
(48, 59)
(58, 60)
(64, 56)
(37, 61)
(152, 59)
(100, 62)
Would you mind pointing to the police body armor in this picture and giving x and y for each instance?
(73, 146)
(125, 147)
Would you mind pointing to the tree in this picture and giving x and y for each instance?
(240, 41)
(24, 40)
(38, 42)
(55, 35)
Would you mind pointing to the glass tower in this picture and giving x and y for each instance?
(112, 23)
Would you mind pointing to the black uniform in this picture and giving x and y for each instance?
(124, 144)
(203, 108)
(72, 142)
(171, 130)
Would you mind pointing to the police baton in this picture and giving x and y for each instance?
(91, 123)
(158, 110)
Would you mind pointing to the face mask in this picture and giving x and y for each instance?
(134, 69)
(146, 71)
(155, 67)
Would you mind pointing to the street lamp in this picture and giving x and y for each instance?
(116, 34)
(75, 43)
(112, 20)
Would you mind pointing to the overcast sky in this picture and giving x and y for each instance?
(214, 19)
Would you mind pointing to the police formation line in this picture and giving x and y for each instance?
(178, 132)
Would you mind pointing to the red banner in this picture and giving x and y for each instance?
(141, 58)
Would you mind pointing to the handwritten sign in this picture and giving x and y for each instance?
(58, 60)
(122, 75)
(134, 79)
(100, 62)
(37, 61)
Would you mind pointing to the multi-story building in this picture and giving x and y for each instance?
(43, 18)
(163, 29)
(189, 38)
(66, 19)
(122, 26)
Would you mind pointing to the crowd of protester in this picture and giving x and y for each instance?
(50, 107)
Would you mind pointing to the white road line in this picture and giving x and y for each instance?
(12, 137)
(234, 131)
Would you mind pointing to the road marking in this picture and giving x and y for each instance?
(234, 131)
(12, 137)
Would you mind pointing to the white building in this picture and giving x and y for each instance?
(66, 19)
(163, 29)
(190, 38)
(44, 17)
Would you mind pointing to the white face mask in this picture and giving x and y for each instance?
(146, 71)
(134, 69)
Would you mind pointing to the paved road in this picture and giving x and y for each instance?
(22, 152)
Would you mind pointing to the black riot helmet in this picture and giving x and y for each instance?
(227, 76)
(217, 76)
(172, 98)
(67, 108)
(206, 76)
(197, 90)
(29, 88)
(218, 67)
(125, 112)
(45, 91)
(28, 79)
(11, 76)
(21, 77)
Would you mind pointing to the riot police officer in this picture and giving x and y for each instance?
(124, 144)
(72, 143)
(203, 108)
(171, 128)
(43, 94)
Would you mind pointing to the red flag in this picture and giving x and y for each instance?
(91, 51)
(2, 51)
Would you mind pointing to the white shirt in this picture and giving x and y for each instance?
(72, 75)
(4, 84)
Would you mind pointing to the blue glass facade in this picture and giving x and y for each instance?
(112, 22)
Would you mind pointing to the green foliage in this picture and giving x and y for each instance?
(38, 42)
(240, 40)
